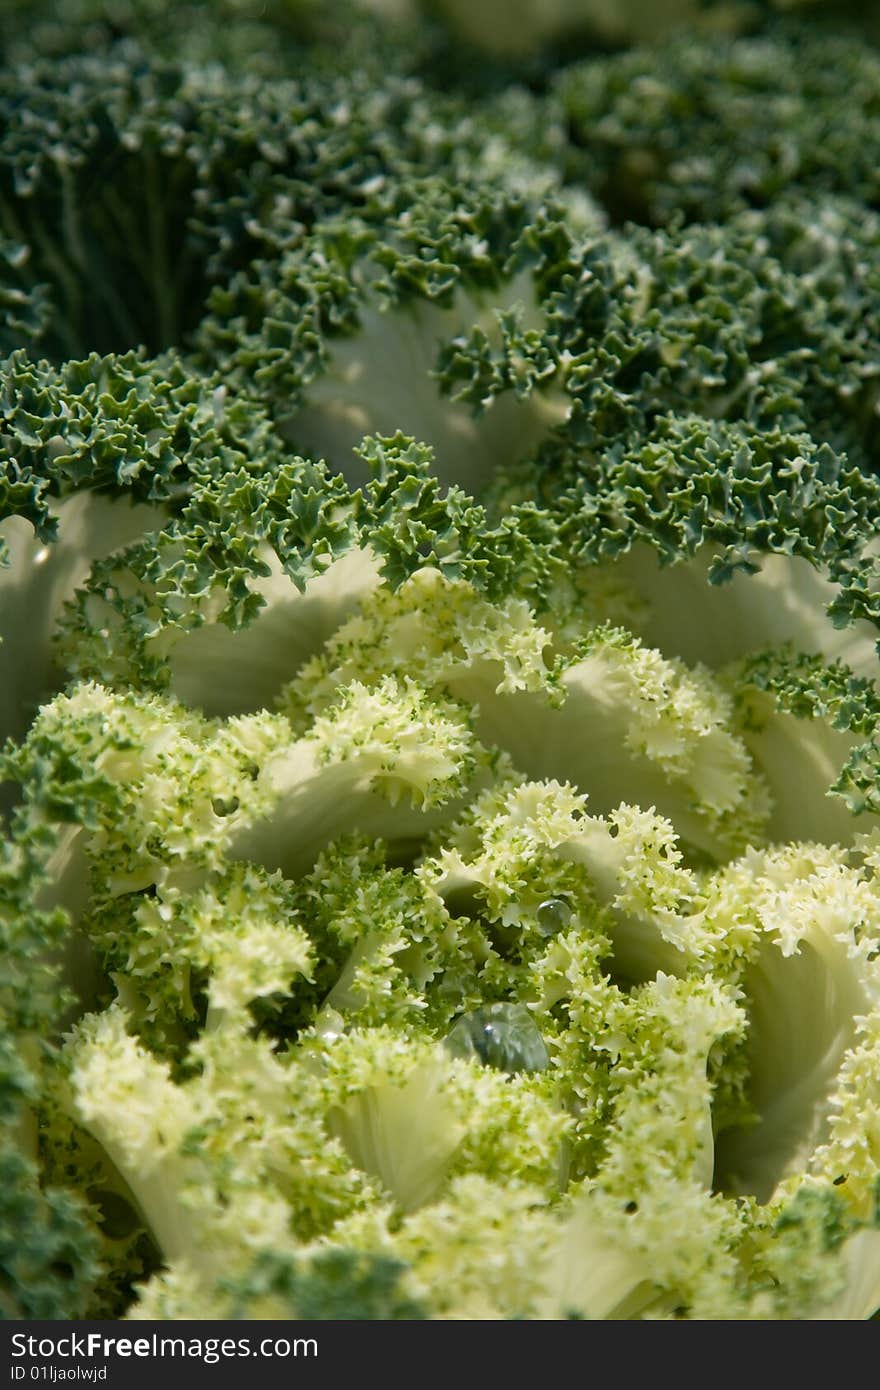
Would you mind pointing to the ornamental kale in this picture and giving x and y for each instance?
(439, 603)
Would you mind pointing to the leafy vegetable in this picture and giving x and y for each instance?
(439, 661)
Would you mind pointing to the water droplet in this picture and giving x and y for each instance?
(553, 915)
(329, 1025)
(504, 1036)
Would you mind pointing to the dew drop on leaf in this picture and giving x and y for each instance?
(504, 1036)
(553, 915)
